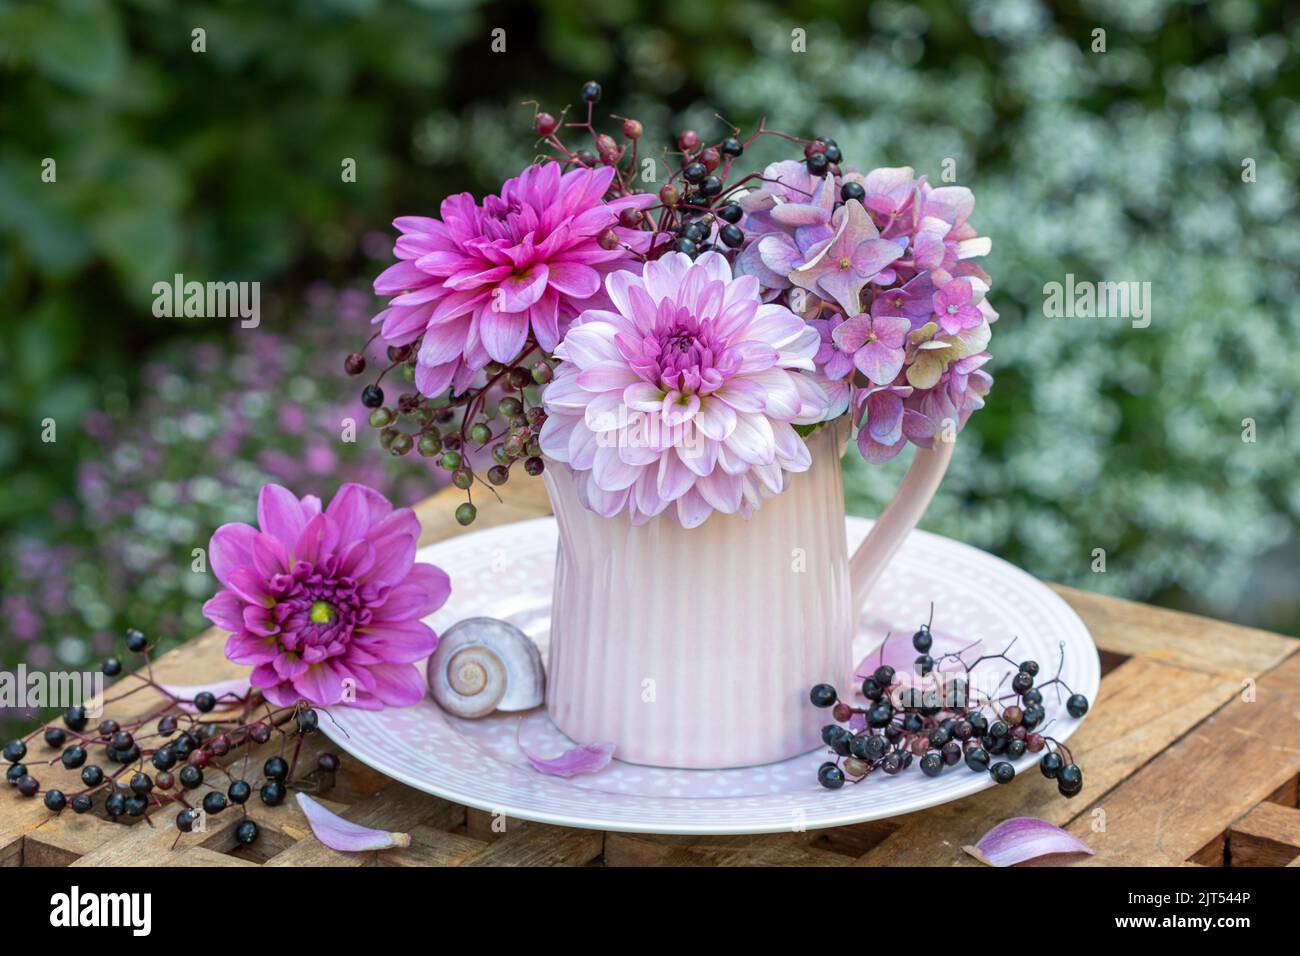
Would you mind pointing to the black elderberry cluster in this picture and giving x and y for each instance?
(158, 760)
(942, 724)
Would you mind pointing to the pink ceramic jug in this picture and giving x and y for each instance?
(696, 648)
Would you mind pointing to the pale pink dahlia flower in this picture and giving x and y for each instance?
(476, 283)
(685, 394)
(326, 605)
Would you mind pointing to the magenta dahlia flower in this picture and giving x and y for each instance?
(326, 605)
(685, 394)
(478, 282)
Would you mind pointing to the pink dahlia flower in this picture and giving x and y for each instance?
(476, 283)
(685, 394)
(326, 605)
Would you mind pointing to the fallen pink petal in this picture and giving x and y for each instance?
(1024, 838)
(585, 758)
(344, 835)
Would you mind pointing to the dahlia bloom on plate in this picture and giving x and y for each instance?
(685, 394)
(326, 604)
(473, 286)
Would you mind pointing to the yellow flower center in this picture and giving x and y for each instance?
(322, 612)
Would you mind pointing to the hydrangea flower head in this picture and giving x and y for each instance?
(685, 394)
(478, 282)
(326, 604)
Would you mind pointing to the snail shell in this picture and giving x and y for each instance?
(483, 665)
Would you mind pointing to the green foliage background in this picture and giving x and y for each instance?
(1122, 165)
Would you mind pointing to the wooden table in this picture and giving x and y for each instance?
(1191, 756)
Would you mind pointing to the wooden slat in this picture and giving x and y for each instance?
(1268, 835)
(1178, 802)
(541, 845)
(778, 849)
(1185, 640)
(521, 498)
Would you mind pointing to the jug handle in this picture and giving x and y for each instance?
(897, 520)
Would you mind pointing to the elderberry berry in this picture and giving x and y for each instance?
(1069, 781)
(141, 784)
(186, 819)
(1076, 705)
(731, 236)
(164, 758)
(923, 640)
(111, 667)
(55, 737)
(92, 776)
(977, 758)
(73, 757)
(1003, 772)
(932, 764)
(272, 793)
(115, 805)
(15, 751)
(82, 803)
(135, 641)
(213, 803)
(205, 701)
(830, 776)
(55, 800)
(239, 791)
(246, 833)
(731, 213)
(731, 146)
(837, 738)
(881, 715)
(823, 695)
(15, 773)
(75, 718)
(275, 769)
(884, 675)
(191, 777)
(1051, 765)
(852, 191)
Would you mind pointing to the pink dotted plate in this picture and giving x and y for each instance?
(505, 572)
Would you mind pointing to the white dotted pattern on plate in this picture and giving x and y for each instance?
(506, 572)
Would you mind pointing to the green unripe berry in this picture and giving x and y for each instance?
(533, 448)
(511, 406)
(498, 474)
(381, 417)
(499, 453)
(388, 436)
(402, 444)
(480, 434)
(466, 513)
(493, 368)
(519, 377)
(429, 445)
(450, 460)
(462, 478)
(542, 373)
